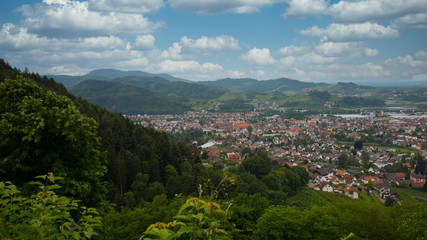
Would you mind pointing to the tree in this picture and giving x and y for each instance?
(43, 132)
(283, 222)
(421, 164)
(358, 145)
(258, 165)
(342, 160)
(365, 159)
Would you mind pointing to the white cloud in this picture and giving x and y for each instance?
(171, 66)
(351, 32)
(220, 6)
(288, 61)
(411, 21)
(144, 42)
(317, 67)
(173, 52)
(129, 6)
(259, 56)
(73, 18)
(305, 8)
(190, 69)
(345, 49)
(371, 10)
(205, 43)
(316, 59)
(17, 39)
(293, 50)
(188, 47)
(337, 48)
(370, 52)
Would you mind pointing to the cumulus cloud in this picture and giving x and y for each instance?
(19, 39)
(408, 66)
(220, 6)
(410, 21)
(351, 32)
(305, 8)
(293, 50)
(144, 42)
(129, 6)
(50, 55)
(323, 68)
(345, 49)
(205, 43)
(370, 10)
(62, 18)
(187, 66)
(259, 57)
(188, 47)
(191, 69)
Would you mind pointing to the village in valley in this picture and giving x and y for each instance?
(345, 154)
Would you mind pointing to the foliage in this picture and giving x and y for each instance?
(197, 219)
(285, 222)
(245, 211)
(257, 165)
(44, 215)
(130, 223)
(40, 132)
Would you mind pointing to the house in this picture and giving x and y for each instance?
(328, 188)
(417, 180)
(341, 172)
(350, 192)
(325, 187)
(384, 193)
(394, 177)
(234, 157)
(374, 169)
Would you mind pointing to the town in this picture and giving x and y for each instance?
(347, 154)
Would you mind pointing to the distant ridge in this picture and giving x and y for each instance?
(110, 74)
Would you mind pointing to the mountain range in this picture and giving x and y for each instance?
(136, 92)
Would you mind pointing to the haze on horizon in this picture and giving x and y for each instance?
(308, 40)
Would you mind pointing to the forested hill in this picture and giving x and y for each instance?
(128, 99)
(126, 149)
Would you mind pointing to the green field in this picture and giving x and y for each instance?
(405, 193)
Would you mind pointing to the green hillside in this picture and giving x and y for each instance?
(182, 89)
(128, 99)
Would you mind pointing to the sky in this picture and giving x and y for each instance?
(308, 40)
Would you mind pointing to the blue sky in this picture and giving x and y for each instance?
(308, 40)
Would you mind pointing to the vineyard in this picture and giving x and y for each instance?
(404, 193)
(308, 198)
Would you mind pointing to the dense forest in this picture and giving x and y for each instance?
(134, 182)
